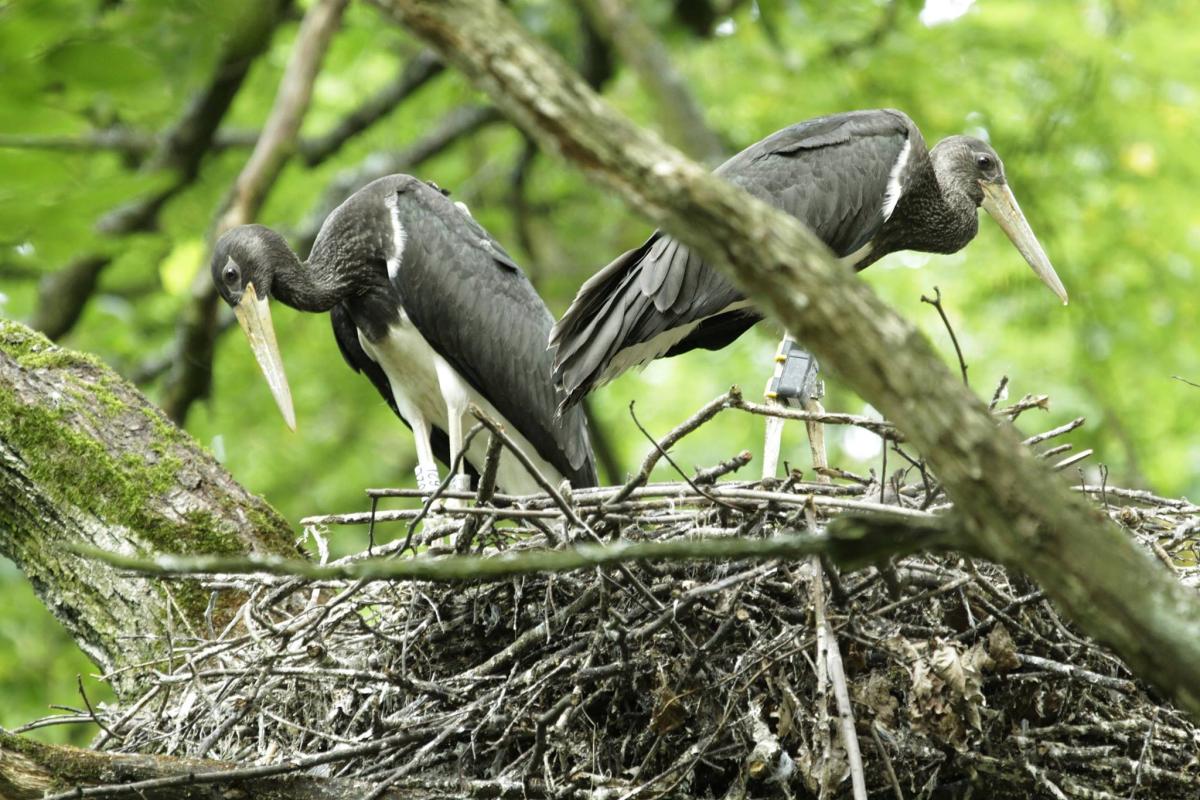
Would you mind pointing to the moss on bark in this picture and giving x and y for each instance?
(85, 459)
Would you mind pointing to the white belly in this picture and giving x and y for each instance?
(642, 353)
(427, 388)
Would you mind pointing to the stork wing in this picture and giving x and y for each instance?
(479, 311)
(832, 173)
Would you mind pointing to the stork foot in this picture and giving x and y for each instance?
(459, 484)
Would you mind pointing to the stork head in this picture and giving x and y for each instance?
(243, 270)
(970, 166)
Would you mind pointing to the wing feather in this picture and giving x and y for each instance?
(479, 311)
(830, 172)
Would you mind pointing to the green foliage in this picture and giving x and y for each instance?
(1092, 105)
(38, 663)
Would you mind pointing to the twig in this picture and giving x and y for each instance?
(887, 761)
(709, 476)
(837, 678)
(1024, 404)
(487, 488)
(707, 412)
(498, 432)
(675, 466)
(92, 712)
(999, 393)
(1075, 459)
(1077, 673)
(1053, 432)
(936, 302)
(877, 426)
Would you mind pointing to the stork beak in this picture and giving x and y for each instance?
(998, 200)
(254, 315)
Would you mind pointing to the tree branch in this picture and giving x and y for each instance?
(1014, 507)
(854, 544)
(680, 114)
(416, 73)
(86, 459)
(30, 770)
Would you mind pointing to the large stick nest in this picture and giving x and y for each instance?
(678, 679)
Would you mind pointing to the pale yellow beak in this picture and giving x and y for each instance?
(254, 315)
(999, 202)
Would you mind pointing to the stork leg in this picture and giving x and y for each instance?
(793, 382)
(457, 399)
(427, 469)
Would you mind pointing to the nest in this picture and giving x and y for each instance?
(922, 677)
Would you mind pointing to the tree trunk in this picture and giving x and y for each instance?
(1015, 508)
(86, 460)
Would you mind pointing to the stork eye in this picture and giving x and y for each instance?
(985, 161)
(230, 274)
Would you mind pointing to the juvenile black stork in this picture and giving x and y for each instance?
(429, 307)
(865, 184)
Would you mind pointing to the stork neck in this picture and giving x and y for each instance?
(938, 217)
(307, 286)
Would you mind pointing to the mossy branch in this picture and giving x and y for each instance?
(852, 541)
(86, 459)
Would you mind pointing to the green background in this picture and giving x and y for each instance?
(1094, 107)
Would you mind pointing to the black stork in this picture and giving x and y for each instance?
(432, 310)
(865, 184)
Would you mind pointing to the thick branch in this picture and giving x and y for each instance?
(191, 376)
(681, 116)
(1016, 509)
(854, 544)
(86, 459)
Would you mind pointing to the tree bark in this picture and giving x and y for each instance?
(1015, 508)
(86, 460)
(30, 770)
(681, 116)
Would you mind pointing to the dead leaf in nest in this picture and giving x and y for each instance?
(947, 690)
(949, 666)
(669, 713)
(1002, 650)
(875, 693)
